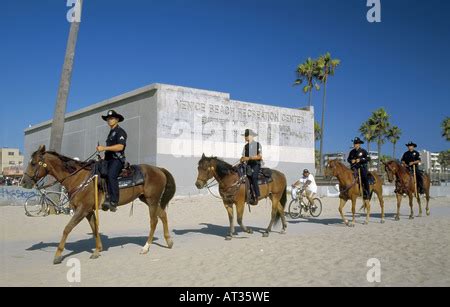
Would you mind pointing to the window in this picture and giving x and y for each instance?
(11, 153)
(12, 163)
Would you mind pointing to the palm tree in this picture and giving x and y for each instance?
(446, 128)
(327, 66)
(380, 121)
(57, 129)
(317, 132)
(308, 72)
(367, 133)
(393, 134)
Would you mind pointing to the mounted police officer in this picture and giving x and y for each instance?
(252, 155)
(359, 159)
(411, 159)
(115, 157)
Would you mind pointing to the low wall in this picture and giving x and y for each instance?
(388, 190)
(13, 195)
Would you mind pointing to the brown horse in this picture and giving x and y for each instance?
(350, 190)
(404, 184)
(157, 190)
(233, 191)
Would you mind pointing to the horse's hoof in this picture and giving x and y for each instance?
(428, 212)
(383, 221)
(94, 256)
(170, 243)
(411, 217)
(58, 260)
(420, 215)
(351, 225)
(283, 232)
(397, 218)
(249, 231)
(144, 251)
(228, 238)
(265, 234)
(366, 223)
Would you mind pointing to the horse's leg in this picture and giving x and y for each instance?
(354, 198)
(399, 201)
(379, 193)
(240, 213)
(341, 208)
(411, 197)
(272, 219)
(367, 205)
(229, 208)
(80, 213)
(420, 205)
(427, 195)
(163, 217)
(152, 208)
(283, 217)
(95, 232)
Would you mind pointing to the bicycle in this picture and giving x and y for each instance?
(38, 205)
(299, 204)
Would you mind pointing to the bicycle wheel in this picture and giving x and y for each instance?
(35, 206)
(316, 208)
(295, 209)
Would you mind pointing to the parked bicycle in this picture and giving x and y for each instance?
(301, 204)
(38, 205)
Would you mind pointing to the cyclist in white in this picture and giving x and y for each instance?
(306, 182)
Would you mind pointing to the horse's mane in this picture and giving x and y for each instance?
(223, 168)
(401, 168)
(69, 164)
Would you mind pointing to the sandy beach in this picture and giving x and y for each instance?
(314, 252)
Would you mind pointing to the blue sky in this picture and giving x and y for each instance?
(248, 48)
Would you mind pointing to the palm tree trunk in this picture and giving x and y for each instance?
(322, 128)
(309, 99)
(57, 129)
(379, 156)
(393, 151)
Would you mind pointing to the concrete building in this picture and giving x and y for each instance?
(430, 162)
(172, 126)
(374, 160)
(10, 157)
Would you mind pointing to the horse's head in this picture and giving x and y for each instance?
(37, 168)
(391, 169)
(206, 167)
(330, 169)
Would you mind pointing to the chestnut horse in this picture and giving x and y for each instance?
(233, 191)
(404, 184)
(350, 190)
(157, 190)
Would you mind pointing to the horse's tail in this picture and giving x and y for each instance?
(283, 202)
(170, 189)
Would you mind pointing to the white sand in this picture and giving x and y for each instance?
(314, 252)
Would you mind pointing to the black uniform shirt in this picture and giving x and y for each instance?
(116, 136)
(411, 156)
(360, 154)
(250, 150)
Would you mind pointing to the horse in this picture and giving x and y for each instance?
(404, 184)
(232, 191)
(350, 190)
(157, 191)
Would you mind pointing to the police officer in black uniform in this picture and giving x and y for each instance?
(115, 155)
(252, 155)
(358, 159)
(411, 158)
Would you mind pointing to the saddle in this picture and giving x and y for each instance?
(370, 177)
(264, 177)
(130, 176)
